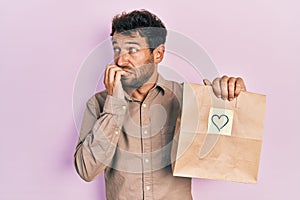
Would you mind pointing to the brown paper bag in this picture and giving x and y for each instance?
(218, 139)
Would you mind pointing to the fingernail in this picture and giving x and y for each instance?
(230, 99)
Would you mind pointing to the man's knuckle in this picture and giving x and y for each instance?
(225, 77)
(224, 83)
(216, 81)
(224, 80)
(231, 84)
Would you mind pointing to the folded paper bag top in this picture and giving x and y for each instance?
(218, 139)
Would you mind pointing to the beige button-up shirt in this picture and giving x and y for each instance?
(131, 142)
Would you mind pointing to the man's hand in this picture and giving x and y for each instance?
(112, 81)
(227, 87)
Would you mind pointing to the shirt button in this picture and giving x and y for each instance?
(116, 132)
(145, 132)
(124, 107)
(148, 187)
(144, 105)
(146, 160)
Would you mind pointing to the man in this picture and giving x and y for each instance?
(127, 130)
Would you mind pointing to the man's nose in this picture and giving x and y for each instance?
(122, 59)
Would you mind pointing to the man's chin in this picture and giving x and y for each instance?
(130, 83)
(126, 80)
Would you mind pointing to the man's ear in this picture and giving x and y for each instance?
(158, 53)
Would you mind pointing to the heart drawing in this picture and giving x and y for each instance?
(219, 121)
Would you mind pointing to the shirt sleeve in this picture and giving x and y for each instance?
(99, 135)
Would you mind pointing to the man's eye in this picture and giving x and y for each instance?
(117, 50)
(132, 50)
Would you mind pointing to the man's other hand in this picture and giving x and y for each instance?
(227, 87)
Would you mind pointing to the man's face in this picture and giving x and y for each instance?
(132, 54)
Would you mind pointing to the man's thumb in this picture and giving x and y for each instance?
(206, 82)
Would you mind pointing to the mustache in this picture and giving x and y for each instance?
(128, 69)
(134, 70)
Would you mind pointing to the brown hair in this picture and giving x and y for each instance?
(144, 22)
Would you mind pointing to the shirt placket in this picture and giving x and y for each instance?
(146, 150)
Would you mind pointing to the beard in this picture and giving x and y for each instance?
(138, 76)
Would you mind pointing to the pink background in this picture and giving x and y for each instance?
(43, 43)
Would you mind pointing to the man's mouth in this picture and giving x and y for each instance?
(128, 71)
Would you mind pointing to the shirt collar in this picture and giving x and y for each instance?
(163, 84)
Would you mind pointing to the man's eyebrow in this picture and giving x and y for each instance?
(130, 42)
(136, 43)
